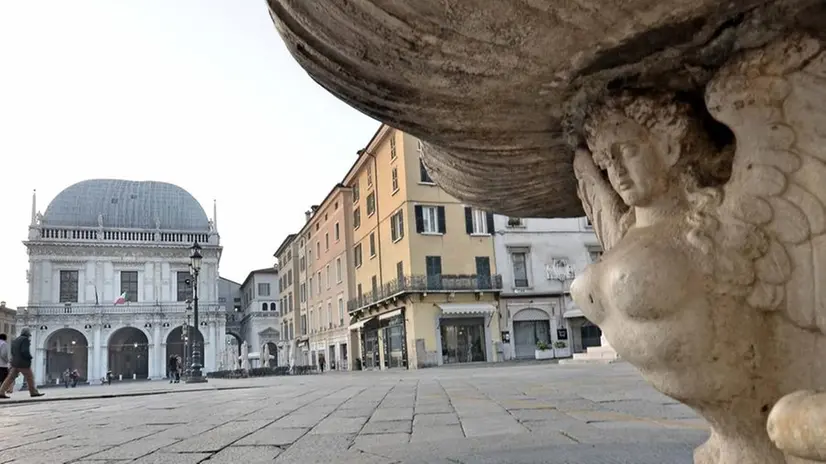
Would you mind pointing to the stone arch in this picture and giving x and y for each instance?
(128, 350)
(273, 361)
(176, 345)
(531, 314)
(66, 348)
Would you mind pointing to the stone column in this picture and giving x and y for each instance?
(97, 355)
(209, 365)
(156, 351)
(90, 365)
(381, 348)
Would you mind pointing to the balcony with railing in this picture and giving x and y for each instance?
(235, 321)
(90, 309)
(443, 283)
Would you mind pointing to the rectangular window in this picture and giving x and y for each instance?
(329, 280)
(478, 222)
(289, 277)
(375, 286)
(515, 222)
(302, 292)
(329, 314)
(318, 249)
(326, 241)
(520, 269)
(263, 289)
(68, 286)
(369, 175)
(433, 268)
(356, 192)
(357, 255)
(372, 244)
(394, 180)
(338, 270)
(340, 311)
(337, 232)
(371, 204)
(304, 324)
(358, 291)
(290, 300)
(184, 286)
(424, 177)
(302, 263)
(318, 277)
(400, 271)
(430, 219)
(129, 284)
(393, 146)
(356, 218)
(397, 226)
(311, 287)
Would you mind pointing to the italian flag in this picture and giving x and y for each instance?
(121, 299)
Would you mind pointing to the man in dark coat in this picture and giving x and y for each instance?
(21, 363)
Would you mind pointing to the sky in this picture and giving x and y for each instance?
(199, 93)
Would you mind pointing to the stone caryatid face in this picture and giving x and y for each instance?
(691, 133)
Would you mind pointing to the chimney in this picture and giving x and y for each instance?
(307, 215)
(2, 304)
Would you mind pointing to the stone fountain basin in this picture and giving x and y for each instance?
(497, 89)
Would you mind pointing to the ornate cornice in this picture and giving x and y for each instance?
(56, 250)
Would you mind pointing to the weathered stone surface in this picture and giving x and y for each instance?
(491, 86)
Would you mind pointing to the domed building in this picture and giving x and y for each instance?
(110, 287)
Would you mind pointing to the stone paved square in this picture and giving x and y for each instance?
(522, 413)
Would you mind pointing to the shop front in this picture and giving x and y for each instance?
(464, 333)
(383, 341)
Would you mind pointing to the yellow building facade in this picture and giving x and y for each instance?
(425, 284)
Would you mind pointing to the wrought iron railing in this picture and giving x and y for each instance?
(58, 309)
(435, 283)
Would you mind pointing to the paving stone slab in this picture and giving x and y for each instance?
(426, 420)
(392, 414)
(159, 457)
(135, 449)
(339, 425)
(273, 436)
(217, 438)
(326, 448)
(373, 427)
(246, 455)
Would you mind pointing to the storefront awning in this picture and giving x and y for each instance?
(390, 314)
(360, 324)
(572, 313)
(466, 308)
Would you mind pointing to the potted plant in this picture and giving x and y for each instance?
(543, 351)
(561, 349)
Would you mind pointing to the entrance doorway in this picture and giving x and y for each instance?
(530, 326)
(176, 345)
(591, 335)
(66, 349)
(273, 361)
(129, 354)
(463, 340)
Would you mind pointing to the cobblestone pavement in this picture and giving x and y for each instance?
(515, 414)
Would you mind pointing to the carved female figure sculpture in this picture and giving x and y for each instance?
(700, 285)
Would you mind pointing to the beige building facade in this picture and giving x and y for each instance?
(7, 324)
(291, 350)
(426, 289)
(327, 280)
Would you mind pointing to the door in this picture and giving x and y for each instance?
(483, 273)
(433, 266)
(527, 334)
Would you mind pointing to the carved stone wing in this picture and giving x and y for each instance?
(774, 100)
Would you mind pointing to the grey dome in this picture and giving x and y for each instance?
(126, 204)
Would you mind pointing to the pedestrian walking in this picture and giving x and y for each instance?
(21, 363)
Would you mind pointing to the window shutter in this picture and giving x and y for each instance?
(393, 235)
(419, 219)
(401, 224)
(469, 219)
(442, 225)
(490, 223)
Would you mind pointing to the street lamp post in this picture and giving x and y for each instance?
(194, 268)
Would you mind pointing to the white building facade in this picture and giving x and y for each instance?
(99, 239)
(538, 259)
(261, 323)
